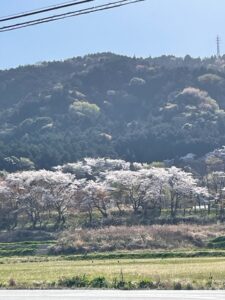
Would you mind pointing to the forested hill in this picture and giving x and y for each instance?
(106, 105)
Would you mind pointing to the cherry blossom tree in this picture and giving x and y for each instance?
(9, 207)
(40, 191)
(91, 168)
(94, 195)
(182, 186)
(138, 189)
(215, 182)
(99, 185)
(155, 188)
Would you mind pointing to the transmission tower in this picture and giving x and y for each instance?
(218, 40)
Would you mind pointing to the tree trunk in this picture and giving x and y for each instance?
(209, 209)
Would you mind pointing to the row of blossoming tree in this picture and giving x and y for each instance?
(95, 187)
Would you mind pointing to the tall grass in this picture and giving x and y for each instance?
(167, 237)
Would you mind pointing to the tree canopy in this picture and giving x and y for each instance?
(107, 105)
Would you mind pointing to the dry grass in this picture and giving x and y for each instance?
(167, 237)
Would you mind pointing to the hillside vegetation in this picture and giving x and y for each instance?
(101, 145)
(113, 173)
(106, 105)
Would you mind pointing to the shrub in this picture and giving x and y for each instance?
(76, 281)
(177, 286)
(146, 284)
(118, 284)
(189, 286)
(12, 282)
(99, 282)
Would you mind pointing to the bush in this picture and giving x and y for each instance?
(177, 286)
(189, 286)
(12, 282)
(146, 284)
(76, 281)
(99, 282)
(118, 284)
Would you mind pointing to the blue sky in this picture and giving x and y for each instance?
(154, 27)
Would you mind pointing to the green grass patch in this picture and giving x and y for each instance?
(23, 248)
(217, 243)
(146, 255)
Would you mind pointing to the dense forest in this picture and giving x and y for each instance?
(106, 105)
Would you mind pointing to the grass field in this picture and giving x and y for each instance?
(185, 258)
(47, 271)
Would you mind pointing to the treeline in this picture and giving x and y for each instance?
(98, 192)
(107, 105)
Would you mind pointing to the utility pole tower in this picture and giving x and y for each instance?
(218, 40)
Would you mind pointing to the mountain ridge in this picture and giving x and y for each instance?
(107, 105)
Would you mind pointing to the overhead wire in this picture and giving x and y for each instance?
(43, 10)
(76, 13)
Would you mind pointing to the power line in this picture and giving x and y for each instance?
(67, 15)
(43, 10)
(76, 13)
